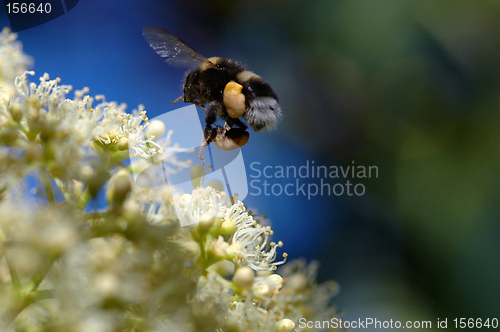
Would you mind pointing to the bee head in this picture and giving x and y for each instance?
(190, 88)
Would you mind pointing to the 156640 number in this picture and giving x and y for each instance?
(478, 323)
(28, 8)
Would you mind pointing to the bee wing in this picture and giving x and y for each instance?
(169, 46)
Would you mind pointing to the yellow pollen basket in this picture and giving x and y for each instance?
(234, 100)
(229, 143)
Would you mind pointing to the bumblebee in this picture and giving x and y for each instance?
(232, 92)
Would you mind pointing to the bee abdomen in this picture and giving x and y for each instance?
(254, 85)
(262, 107)
(263, 112)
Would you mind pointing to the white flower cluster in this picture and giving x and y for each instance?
(13, 60)
(202, 205)
(129, 266)
(74, 130)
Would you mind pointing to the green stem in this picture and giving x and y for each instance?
(38, 277)
(14, 277)
(62, 187)
(46, 183)
(16, 282)
(20, 303)
(40, 295)
(3, 240)
(202, 259)
(84, 199)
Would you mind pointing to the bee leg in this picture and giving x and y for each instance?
(208, 136)
(200, 104)
(231, 122)
(213, 111)
(192, 101)
(210, 118)
(178, 99)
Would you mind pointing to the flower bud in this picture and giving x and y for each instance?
(218, 249)
(156, 128)
(131, 210)
(215, 229)
(228, 227)
(16, 111)
(297, 282)
(34, 153)
(123, 144)
(57, 238)
(107, 284)
(216, 184)
(184, 200)
(276, 279)
(206, 221)
(120, 187)
(243, 277)
(285, 325)
(224, 268)
(78, 188)
(263, 291)
(9, 136)
(232, 251)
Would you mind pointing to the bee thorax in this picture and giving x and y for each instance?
(246, 76)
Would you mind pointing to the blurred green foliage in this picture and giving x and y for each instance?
(413, 87)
